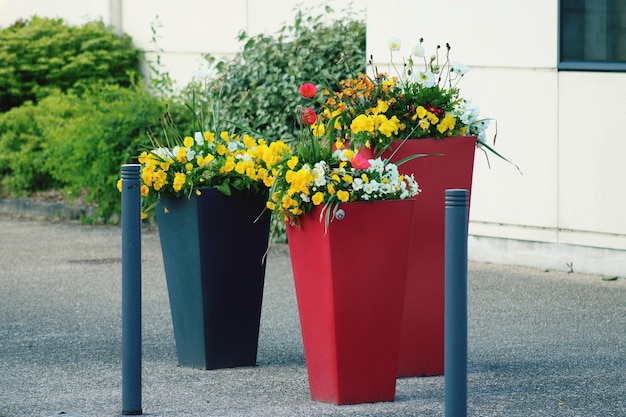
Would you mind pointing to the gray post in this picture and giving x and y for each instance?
(455, 326)
(131, 290)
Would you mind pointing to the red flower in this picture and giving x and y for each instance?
(308, 90)
(309, 117)
(361, 159)
(438, 112)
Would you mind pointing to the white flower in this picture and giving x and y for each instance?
(394, 43)
(163, 153)
(199, 138)
(341, 155)
(385, 188)
(244, 157)
(319, 173)
(425, 78)
(319, 179)
(304, 197)
(203, 72)
(320, 166)
(232, 146)
(357, 184)
(418, 51)
(459, 68)
(371, 187)
(376, 165)
(191, 154)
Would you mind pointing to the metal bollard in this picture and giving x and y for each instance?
(131, 290)
(455, 326)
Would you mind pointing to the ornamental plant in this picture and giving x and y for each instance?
(319, 173)
(422, 101)
(181, 166)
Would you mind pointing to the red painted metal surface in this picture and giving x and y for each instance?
(350, 288)
(422, 341)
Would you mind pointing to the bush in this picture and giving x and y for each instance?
(258, 88)
(78, 143)
(109, 128)
(22, 147)
(40, 55)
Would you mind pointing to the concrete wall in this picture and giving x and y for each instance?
(567, 210)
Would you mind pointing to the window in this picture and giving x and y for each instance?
(592, 35)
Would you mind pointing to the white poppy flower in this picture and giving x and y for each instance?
(418, 51)
(394, 43)
(425, 78)
(459, 68)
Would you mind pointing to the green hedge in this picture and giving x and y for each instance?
(78, 143)
(41, 55)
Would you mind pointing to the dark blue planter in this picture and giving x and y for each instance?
(213, 247)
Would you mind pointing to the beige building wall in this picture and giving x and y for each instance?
(563, 129)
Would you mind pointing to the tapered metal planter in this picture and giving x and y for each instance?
(350, 288)
(213, 247)
(422, 340)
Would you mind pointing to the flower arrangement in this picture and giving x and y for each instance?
(320, 172)
(422, 101)
(183, 166)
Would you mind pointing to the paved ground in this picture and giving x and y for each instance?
(541, 343)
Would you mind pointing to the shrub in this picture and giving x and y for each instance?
(78, 143)
(22, 147)
(41, 55)
(258, 88)
(109, 127)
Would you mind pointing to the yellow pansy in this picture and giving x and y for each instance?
(293, 161)
(159, 180)
(181, 156)
(343, 196)
(221, 149)
(179, 181)
(317, 198)
(209, 137)
(229, 165)
(318, 129)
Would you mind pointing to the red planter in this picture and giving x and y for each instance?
(350, 289)
(422, 339)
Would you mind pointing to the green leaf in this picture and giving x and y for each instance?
(609, 278)
(224, 187)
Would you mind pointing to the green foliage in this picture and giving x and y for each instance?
(78, 143)
(41, 55)
(258, 88)
(109, 126)
(22, 155)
